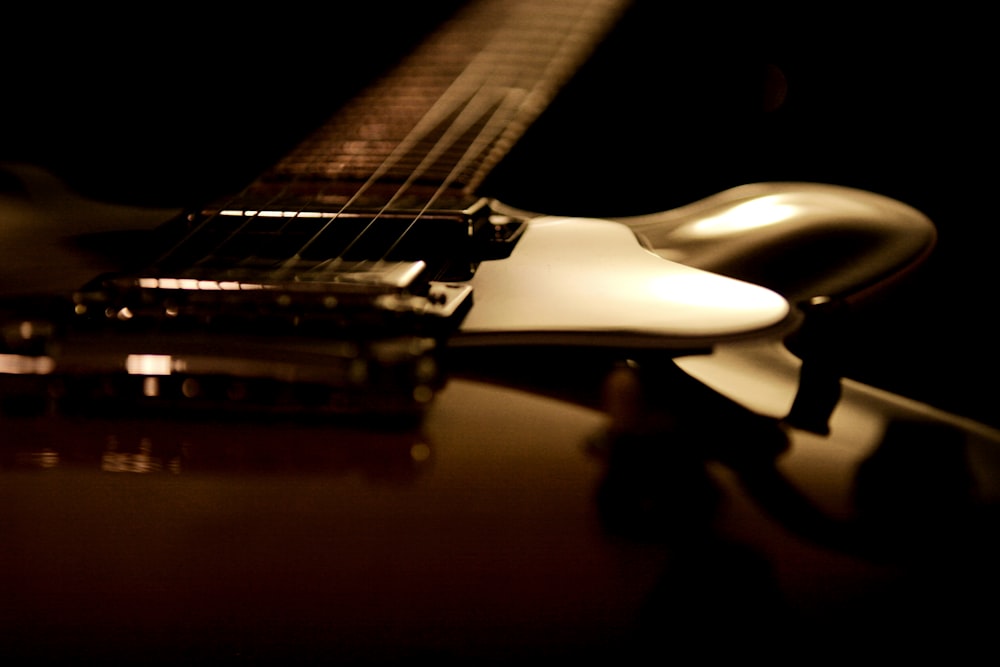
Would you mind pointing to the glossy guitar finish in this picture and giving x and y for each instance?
(294, 540)
(727, 496)
(486, 530)
(502, 526)
(803, 240)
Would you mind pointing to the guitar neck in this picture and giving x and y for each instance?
(427, 133)
(391, 179)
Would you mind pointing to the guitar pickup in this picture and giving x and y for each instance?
(336, 302)
(331, 278)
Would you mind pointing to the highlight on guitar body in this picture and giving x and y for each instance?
(362, 409)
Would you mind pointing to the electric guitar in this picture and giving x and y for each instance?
(360, 410)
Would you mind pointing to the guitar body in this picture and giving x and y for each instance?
(501, 526)
(462, 537)
(485, 534)
(625, 459)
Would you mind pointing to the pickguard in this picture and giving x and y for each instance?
(579, 280)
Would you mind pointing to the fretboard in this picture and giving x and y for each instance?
(393, 175)
(431, 129)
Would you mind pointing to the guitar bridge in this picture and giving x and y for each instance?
(317, 311)
(343, 344)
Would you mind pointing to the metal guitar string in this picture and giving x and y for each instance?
(481, 70)
(471, 109)
(516, 102)
(521, 101)
(437, 113)
(482, 104)
(454, 98)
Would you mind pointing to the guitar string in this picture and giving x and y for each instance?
(483, 62)
(504, 113)
(437, 113)
(486, 62)
(491, 129)
(455, 98)
(483, 104)
(466, 119)
(443, 109)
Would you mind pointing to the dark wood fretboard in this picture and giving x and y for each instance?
(393, 175)
(434, 126)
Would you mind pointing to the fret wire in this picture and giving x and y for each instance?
(477, 107)
(496, 126)
(485, 62)
(455, 97)
(470, 154)
(526, 40)
(468, 117)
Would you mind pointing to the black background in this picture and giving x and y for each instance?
(164, 105)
